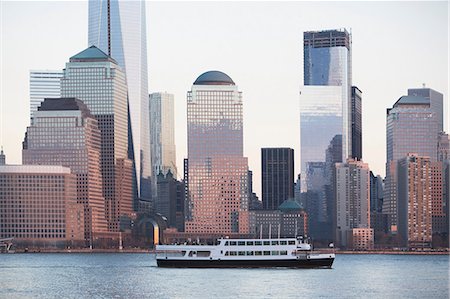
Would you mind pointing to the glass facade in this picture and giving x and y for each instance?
(119, 29)
(218, 172)
(162, 134)
(43, 84)
(99, 82)
(356, 123)
(277, 176)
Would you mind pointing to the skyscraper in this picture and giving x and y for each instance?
(2, 157)
(436, 102)
(414, 200)
(64, 132)
(356, 123)
(325, 121)
(118, 28)
(277, 176)
(162, 133)
(218, 171)
(352, 200)
(95, 78)
(43, 84)
(411, 127)
(327, 62)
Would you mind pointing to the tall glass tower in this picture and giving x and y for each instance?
(218, 171)
(325, 118)
(43, 84)
(118, 28)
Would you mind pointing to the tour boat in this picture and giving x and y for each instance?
(245, 253)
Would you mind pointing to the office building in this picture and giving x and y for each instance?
(218, 171)
(96, 79)
(436, 100)
(38, 204)
(277, 176)
(253, 201)
(169, 201)
(162, 133)
(352, 200)
(356, 121)
(411, 127)
(43, 84)
(414, 201)
(289, 220)
(118, 28)
(64, 132)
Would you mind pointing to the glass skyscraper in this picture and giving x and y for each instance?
(218, 172)
(95, 78)
(118, 28)
(277, 176)
(162, 133)
(43, 84)
(411, 127)
(325, 120)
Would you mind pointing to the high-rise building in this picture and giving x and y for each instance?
(352, 200)
(38, 206)
(356, 123)
(414, 200)
(327, 62)
(95, 78)
(162, 133)
(64, 132)
(43, 84)
(218, 171)
(412, 127)
(325, 121)
(277, 176)
(436, 102)
(253, 201)
(118, 28)
(169, 201)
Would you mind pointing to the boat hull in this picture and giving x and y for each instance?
(273, 263)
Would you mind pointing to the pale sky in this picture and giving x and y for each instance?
(396, 46)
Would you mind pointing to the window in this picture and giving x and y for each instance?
(283, 242)
(241, 243)
(250, 243)
(258, 243)
(266, 252)
(274, 242)
(241, 253)
(266, 242)
(291, 242)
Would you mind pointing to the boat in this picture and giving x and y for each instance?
(245, 253)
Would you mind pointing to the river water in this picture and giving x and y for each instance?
(112, 275)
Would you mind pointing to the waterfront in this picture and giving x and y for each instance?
(109, 275)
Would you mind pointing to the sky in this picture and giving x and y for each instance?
(396, 46)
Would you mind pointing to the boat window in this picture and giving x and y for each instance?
(241, 253)
(226, 253)
(275, 252)
(250, 243)
(266, 252)
(258, 252)
(266, 242)
(233, 253)
(283, 242)
(241, 243)
(232, 243)
(283, 252)
(274, 242)
(226, 243)
(203, 253)
(250, 253)
(291, 242)
(183, 252)
(258, 243)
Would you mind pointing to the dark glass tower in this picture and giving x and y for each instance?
(277, 166)
(356, 123)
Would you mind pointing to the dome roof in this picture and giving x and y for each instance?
(214, 78)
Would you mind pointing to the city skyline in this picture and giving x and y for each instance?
(238, 63)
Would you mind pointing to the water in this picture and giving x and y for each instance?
(136, 276)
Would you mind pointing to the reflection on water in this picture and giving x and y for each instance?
(136, 276)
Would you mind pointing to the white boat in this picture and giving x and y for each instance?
(246, 253)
